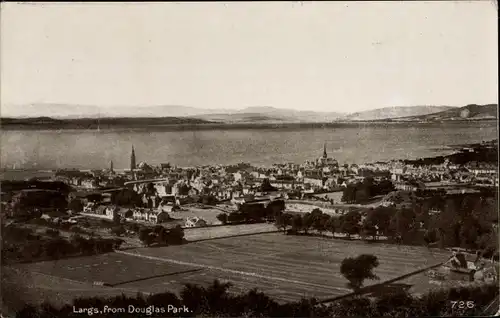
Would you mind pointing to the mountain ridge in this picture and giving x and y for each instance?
(468, 112)
(248, 115)
(395, 112)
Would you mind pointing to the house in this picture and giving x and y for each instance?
(100, 210)
(460, 267)
(149, 215)
(111, 211)
(195, 222)
(314, 181)
(167, 207)
(237, 176)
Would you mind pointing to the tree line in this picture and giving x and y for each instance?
(160, 235)
(21, 244)
(215, 300)
(362, 191)
(465, 221)
(252, 213)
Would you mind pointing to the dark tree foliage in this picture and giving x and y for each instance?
(75, 205)
(350, 223)
(362, 191)
(215, 300)
(357, 269)
(128, 198)
(222, 217)
(266, 186)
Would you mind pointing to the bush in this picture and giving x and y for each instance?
(222, 217)
(52, 232)
(118, 230)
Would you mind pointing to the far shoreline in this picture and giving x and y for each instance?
(235, 126)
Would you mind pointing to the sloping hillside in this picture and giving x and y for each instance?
(469, 112)
(271, 115)
(395, 112)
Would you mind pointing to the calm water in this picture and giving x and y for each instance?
(354, 144)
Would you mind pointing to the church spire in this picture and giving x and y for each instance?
(132, 159)
(324, 151)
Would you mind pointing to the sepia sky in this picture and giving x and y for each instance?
(325, 56)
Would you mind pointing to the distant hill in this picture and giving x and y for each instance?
(96, 123)
(469, 112)
(395, 112)
(272, 115)
(247, 115)
(82, 115)
(63, 111)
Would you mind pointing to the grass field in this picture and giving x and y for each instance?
(209, 215)
(286, 267)
(20, 287)
(205, 233)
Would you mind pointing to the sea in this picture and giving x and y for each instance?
(356, 143)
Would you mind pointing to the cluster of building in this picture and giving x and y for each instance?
(464, 267)
(321, 175)
(166, 183)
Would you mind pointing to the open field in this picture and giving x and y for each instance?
(111, 268)
(20, 287)
(209, 215)
(336, 196)
(286, 267)
(206, 233)
(305, 208)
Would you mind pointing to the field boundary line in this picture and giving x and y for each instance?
(236, 235)
(232, 271)
(89, 284)
(367, 289)
(155, 276)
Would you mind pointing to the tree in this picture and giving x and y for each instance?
(283, 222)
(176, 235)
(357, 269)
(320, 223)
(162, 235)
(75, 205)
(52, 232)
(367, 186)
(350, 223)
(209, 200)
(234, 217)
(307, 222)
(116, 218)
(118, 230)
(266, 186)
(222, 217)
(349, 194)
(146, 236)
(381, 218)
(368, 228)
(275, 208)
(403, 224)
(331, 225)
(128, 198)
(150, 189)
(296, 223)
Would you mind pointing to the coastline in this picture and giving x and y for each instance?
(151, 126)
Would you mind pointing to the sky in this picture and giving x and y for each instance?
(321, 56)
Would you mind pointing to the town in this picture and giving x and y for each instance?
(423, 202)
(148, 193)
